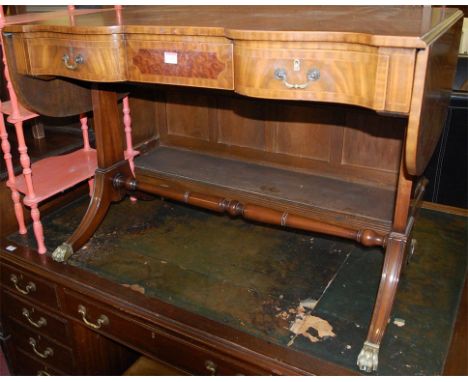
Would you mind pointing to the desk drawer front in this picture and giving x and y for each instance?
(36, 318)
(203, 64)
(106, 321)
(357, 75)
(25, 284)
(92, 58)
(199, 360)
(31, 366)
(154, 341)
(41, 348)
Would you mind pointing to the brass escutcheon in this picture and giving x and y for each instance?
(79, 59)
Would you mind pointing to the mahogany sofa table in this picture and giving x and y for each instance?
(375, 80)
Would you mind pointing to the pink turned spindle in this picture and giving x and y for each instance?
(84, 131)
(83, 118)
(71, 9)
(130, 153)
(37, 227)
(15, 196)
(118, 11)
(16, 118)
(86, 146)
(6, 148)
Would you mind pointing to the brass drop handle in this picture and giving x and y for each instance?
(42, 373)
(48, 352)
(30, 286)
(312, 75)
(38, 324)
(211, 367)
(79, 59)
(102, 320)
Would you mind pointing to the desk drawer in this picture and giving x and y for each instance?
(194, 358)
(30, 366)
(343, 73)
(42, 348)
(206, 63)
(26, 285)
(85, 57)
(36, 318)
(198, 359)
(107, 321)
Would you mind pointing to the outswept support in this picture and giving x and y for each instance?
(394, 258)
(103, 195)
(366, 237)
(109, 145)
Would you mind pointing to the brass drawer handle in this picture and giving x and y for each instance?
(102, 320)
(312, 75)
(39, 324)
(48, 352)
(79, 59)
(30, 287)
(42, 373)
(211, 367)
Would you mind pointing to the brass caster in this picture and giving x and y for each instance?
(62, 252)
(368, 358)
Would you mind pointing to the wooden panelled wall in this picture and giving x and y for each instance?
(344, 142)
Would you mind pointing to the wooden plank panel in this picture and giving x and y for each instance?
(305, 131)
(241, 122)
(372, 141)
(188, 116)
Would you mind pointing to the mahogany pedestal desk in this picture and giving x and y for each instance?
(317, 118)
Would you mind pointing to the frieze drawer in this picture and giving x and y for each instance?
(35, 318)
(361, 75)
(83, 57)
(25, 284)
(203, 63)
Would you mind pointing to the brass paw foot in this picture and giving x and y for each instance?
(62, 252)
(368, 358)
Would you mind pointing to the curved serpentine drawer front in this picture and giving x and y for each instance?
(201, 61)
(85, 57)
(376, 78)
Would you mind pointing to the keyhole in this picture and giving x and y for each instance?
(296, 65)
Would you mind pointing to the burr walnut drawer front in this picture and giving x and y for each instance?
(85, 57)
(34, 367)
(27, 285)
(36, 318)
(154, 341)
(42, 348)
(202, 63)
(343, 73)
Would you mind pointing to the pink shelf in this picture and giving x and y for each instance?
(24, 114)
(71, 169)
